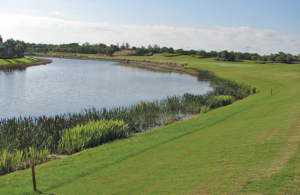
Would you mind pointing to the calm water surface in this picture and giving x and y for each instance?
(68, 85)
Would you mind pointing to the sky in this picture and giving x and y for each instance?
(265, 26)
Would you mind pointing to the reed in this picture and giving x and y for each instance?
(11, 161)
(90, 135)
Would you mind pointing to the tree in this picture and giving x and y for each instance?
(213, 53)
(15, 48)
(171, 50)
(19, 49)
(298, 57)
(150, 48)
(164, 49)
(202, 53)
(271, 58)
(289, 58)
(180, 51)
(281, 54)
(280, 58)
(156, 48)
(225, 54)
(231, 56)
(239, 56)
(10, 47)
(123, 46)
(255, 57)
(264, 58)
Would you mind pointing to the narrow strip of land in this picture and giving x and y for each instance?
(22, 62)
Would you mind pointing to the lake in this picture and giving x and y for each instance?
(69, 85)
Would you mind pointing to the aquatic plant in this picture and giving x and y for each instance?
(90, 135)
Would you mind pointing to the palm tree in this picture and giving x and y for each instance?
(15, 48)
(10, 47)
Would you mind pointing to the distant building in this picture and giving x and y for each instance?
(2, 47)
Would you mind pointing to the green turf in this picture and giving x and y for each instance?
(249, 147)
(18, 60)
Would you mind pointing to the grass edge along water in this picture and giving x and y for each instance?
(44, 134)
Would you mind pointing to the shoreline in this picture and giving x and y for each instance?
(162, 66)
(25, 65)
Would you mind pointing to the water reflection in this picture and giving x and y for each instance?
(69, 85)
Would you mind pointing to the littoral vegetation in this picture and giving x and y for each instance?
(92, 134)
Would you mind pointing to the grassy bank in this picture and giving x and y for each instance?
(18, 60)
(46, 134)
(248, 147)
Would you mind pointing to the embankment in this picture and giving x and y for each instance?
(24, 65)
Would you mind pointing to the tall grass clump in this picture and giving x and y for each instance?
(21, 159)
(73, 132)
(90, 135)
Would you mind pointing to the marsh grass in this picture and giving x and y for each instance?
(90, 135)
(15, 160)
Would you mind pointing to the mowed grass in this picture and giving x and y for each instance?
(249, 147)
(18, 60)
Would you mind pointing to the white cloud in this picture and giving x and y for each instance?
(59, 13)
(35, 28)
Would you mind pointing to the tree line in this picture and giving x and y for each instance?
(101, 48)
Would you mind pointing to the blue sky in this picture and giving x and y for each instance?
(267, 26)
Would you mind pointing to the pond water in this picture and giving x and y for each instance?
(68, 85)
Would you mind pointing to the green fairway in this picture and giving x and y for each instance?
(18, 60)
(249, 147)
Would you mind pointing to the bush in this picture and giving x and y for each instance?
(281, 58)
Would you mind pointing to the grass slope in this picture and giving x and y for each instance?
(249, 147)
(18, 60)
